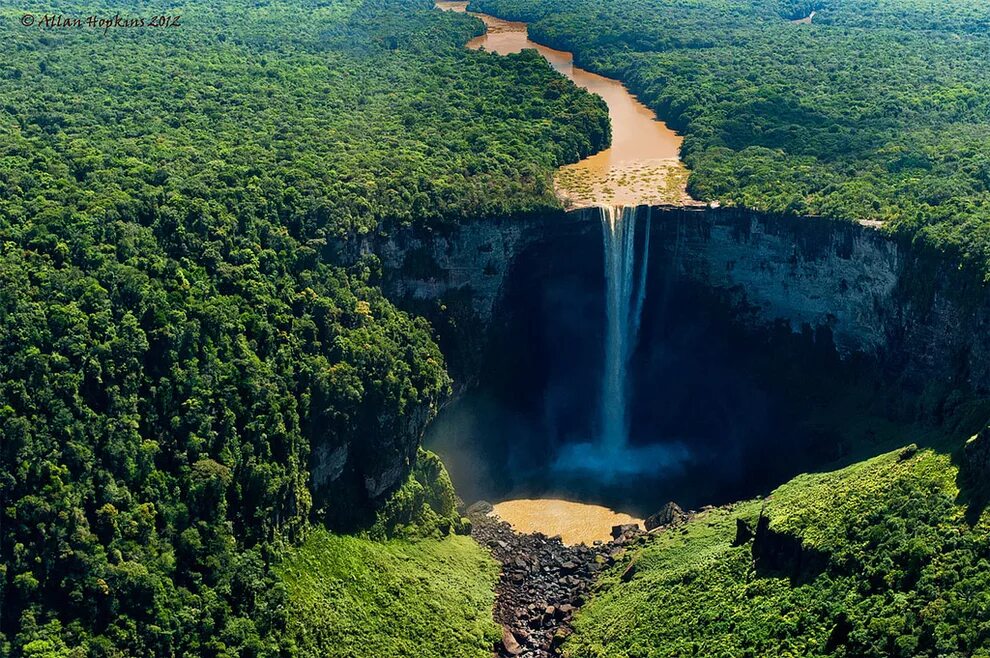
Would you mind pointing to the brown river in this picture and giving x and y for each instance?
(642, 165)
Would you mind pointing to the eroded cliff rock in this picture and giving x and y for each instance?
(873, 294)
(916, 316)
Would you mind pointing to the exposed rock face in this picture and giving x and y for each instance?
(475, 255)
(743, 533)
(351, 476)
(454, 275)
(975, 468)
(921, 318)
(670, 514)
(804, 271)
(871, 294)
(917, 313)
(974, 475)
(481, 508)
(782, 554)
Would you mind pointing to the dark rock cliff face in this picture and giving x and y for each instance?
(352, 473)
(917, 314)
(974, 475)
(921, 320)
(455, 276)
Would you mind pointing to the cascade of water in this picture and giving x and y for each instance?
(624, 295)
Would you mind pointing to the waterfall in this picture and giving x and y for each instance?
(625, 290)
(610, 456)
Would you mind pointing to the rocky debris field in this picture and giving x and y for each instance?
(544, 581)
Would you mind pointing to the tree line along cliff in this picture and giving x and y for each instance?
(874, 111)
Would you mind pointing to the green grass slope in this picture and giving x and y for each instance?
(903, 574)
(354, 597)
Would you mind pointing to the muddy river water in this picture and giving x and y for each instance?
(575, 522)
(642, 165)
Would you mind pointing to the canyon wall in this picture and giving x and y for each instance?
(921, 316)
(918, 314)
(452, 275)
(802, 271)
(455, 276)
(921, 319)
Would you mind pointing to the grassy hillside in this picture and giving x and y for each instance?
(407, 587)
(352, 597)
(890, 567)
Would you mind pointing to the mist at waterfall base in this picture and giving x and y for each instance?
(695, 421)
(611, 456)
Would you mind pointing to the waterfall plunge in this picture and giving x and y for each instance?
(611, 456)
(625, 289)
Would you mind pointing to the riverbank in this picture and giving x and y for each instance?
(544, 582)
(642, 165)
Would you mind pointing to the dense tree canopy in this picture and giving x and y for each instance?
(174, 337)
(877, 110)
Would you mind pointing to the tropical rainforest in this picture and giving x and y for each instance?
(180, 342)
(876, 110)
(175, 339)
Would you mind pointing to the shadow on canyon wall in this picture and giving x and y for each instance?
(719, 410)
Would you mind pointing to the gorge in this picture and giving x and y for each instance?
(637, 349)
(572, 416)
(324, 335)
(769, 346)
(640, 166)
(789, 293)
(539, 318)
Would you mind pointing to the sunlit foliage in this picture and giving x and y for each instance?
(877, 110)
(175, 335)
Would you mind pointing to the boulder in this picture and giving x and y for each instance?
(784, 554)
(907, 452)
(509, 642)
(559, 637)
(669, 514)
(481, 507)
(630, 571)
(743, 533)
(620, 530)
